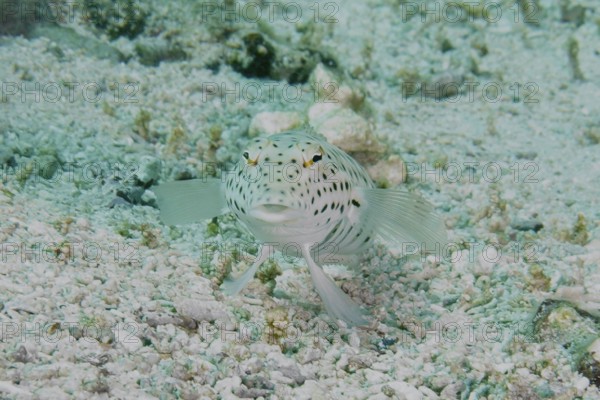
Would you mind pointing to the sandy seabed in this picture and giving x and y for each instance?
(99, 299)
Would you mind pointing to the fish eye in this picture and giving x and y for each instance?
(317, 157)
(245, 155)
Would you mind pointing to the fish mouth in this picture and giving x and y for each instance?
(275, 213)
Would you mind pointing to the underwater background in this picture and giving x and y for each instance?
(488, 109)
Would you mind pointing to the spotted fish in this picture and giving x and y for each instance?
(295, 188)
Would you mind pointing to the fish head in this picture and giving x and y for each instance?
(288, 179)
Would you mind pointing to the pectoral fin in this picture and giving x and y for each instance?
(400, 217)
(184, 202)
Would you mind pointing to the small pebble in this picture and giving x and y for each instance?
(269, 123)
